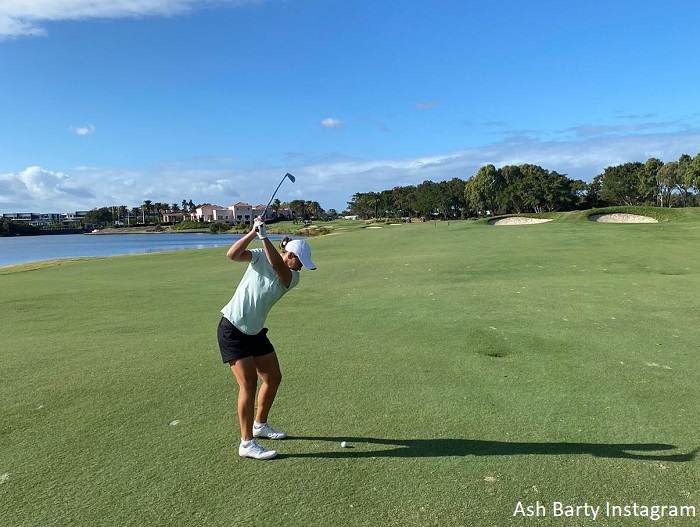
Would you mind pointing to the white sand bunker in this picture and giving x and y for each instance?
(621, 218)
(518, 220)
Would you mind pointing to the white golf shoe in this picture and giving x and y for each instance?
(256, 451)
(265, 431)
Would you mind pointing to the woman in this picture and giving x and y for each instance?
(243, 339)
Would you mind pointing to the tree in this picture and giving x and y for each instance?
(146, 210)
(579, 194)
(694, 172)
(446, 203)
(621, 184)
(359, 205)
(404, 201)
(459, 203)
(374, 201)
(11, 228)
(314, 210)
(511, 189)
(276, 204)
(666, 180)
(298, 208)
(98, 217)
(122, 212)
(427, 198)
(480, 191)
(684, 177)
(650, 180)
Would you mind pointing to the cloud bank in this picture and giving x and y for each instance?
(331, 180)
(24, 18)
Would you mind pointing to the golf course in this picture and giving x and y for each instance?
(476, 372)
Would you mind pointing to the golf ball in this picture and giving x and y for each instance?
(343, 444)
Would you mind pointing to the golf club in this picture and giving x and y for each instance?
(287, 175)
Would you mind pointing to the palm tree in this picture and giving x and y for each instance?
(122, 211)
(146, 208)
(276, 206)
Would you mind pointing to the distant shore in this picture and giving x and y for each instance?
(143, 230)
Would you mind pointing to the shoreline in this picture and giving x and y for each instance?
(142, 230)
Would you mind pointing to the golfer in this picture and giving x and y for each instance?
(243, 339)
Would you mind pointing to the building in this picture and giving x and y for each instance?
(173, 217)
(242, 213)
(270, 215)
(43, 219)
(285, 213)
(223, 215)
(205, 213)
(72, 217)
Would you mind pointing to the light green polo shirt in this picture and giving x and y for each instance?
(259, 290)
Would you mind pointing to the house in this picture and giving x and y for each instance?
(258, 211)
(242, 213)
(285, 213)
(172, 217)
(205, 212)
(36, 219)
(223, 215)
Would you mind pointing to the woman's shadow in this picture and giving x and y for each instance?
(474, 447)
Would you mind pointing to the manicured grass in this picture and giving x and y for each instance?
(469, 367)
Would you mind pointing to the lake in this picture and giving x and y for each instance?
(26, 249)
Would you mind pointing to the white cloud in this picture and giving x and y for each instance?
(37, 189)
(331, 180)
(87, 129)
(427, 105)
(332, 123)
(25, 17)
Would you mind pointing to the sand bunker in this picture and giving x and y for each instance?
(621, 218)
(518, 220)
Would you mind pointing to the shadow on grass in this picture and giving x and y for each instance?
(473, 447)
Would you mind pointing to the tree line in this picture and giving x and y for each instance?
(152, 212)
(511, 189)
(527, 188)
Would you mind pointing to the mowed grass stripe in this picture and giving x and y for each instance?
(469, 367)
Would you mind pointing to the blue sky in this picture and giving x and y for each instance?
(111, 102)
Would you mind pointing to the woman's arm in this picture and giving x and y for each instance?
(277, 263)
(239, 252)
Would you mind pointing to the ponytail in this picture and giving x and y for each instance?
(284, 242)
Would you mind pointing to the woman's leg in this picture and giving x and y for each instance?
(246, 376)
(268, 368)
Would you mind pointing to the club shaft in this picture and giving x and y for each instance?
(273, 195)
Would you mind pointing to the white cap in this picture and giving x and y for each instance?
(302, 251)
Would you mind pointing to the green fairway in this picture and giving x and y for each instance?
(469, 367)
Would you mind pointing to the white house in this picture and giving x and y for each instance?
(242, 213)
(171, 217)
(223, 215)
(206, 212)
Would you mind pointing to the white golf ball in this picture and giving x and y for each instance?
(343, 444)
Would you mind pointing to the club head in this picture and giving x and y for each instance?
(291, 177)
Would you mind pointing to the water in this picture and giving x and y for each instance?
(26, 249)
